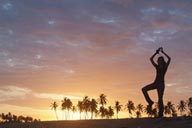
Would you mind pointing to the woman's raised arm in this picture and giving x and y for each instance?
(152, 57)
(168, 57)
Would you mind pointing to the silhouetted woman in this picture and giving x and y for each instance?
(159, 83)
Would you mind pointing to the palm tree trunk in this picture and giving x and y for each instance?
(91, 115)
(68, 114)
(117, 114)
(63, 115)
(56, 114)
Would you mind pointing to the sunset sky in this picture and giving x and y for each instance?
(50, 49)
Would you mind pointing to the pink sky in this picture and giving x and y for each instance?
(52, 49)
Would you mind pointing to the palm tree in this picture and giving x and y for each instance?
(14, 118)
(103, 111)
(109, 112)
(118, 107)
(54, 106)
(130, 107)
(181, 106)
(154, 112)
(80, 107)
(174, 112)
(138, 114)
(190, 105)
(169, 108)
(93, 107)
(96, 113)
(6, 118)
(64, 107)
(139, 109)
(66, 104)
(22, 118)
(86, 105)
(69, 106)
(167, 111)
(9, 116)
(73, 110)
(149, 111)
(103, 99)
(3, 117)
(28, 119)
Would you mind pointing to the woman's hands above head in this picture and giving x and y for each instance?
(158, 50)
(161, 49)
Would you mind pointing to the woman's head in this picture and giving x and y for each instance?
(161, 61)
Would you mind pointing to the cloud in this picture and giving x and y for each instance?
(152, 11)
(16, 93)
(183, 90)
(7, 6)
(171, 84)
(105, 20)
(21, 64)
(55, 96)
(157, 35)
(13, 92)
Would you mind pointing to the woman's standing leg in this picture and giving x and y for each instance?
(160, 91)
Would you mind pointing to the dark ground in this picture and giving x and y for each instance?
(176, 122)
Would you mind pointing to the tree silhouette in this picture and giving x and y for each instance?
(102, 99)
(64, 107)
(54, 106)
(28, 119)
(22, 118)
(190, 105)
(89, 107)
(80, 107)
(181, 106)
(74, 109)
(69, 106)
(15, 118)
(109, 112)
(154, 112)
(7, 118)
(118, 107)
(139, 108)
(169, 108)
(138, 114)
(93, 107)
(174, 112)
(86, 105)
(130, 107)
(2, 116)
(102, 111)
(149, 111)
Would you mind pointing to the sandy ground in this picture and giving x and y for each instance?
(179, 122)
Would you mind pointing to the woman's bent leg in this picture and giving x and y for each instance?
(145, 93)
